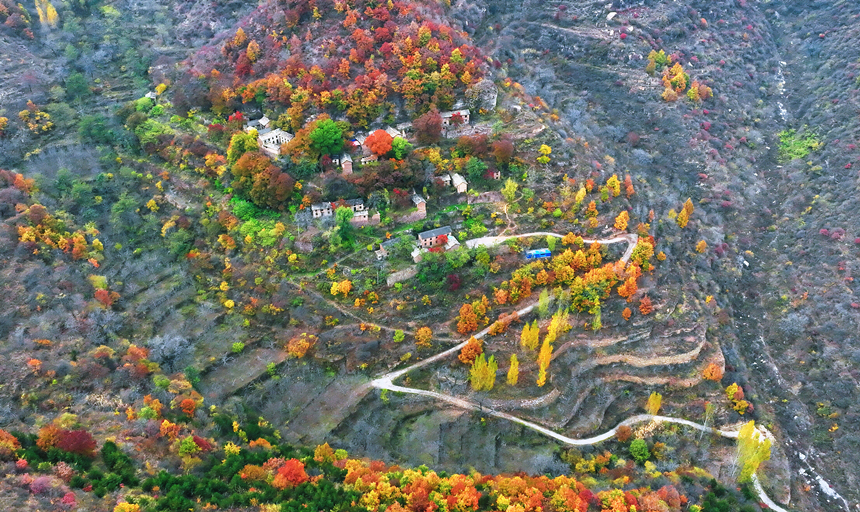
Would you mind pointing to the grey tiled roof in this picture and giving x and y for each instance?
(435, 232)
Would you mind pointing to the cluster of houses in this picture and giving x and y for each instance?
(361, 214)
(270, 139)
(439, 237)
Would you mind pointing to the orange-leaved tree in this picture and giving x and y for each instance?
(468, 321)
(379, 142)
(713, 372)
(645, 305)
(471, 350)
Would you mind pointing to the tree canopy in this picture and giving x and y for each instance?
(327, 138)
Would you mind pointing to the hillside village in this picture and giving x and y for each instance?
(410, 255)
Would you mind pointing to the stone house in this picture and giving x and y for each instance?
(446, 117)
(421, 204)
(386, 247)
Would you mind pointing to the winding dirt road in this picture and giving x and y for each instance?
(387, 381)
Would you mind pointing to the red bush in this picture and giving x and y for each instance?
(79, 442)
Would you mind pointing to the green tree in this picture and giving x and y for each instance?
(77, 87)
(148, 131)
(342, 236)
(457, 257)
(509, 191)
(240, 144)
(401, 147)
(550, 242)
(327, 138)
(475, 168)
(639, 451)
(543, 303)
(188, 447)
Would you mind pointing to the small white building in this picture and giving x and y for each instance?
(271, 140)
(386, 247)
(394, 132)
(459, 183)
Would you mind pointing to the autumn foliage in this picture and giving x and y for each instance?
(291, 474)
(645, 305)
(379, 142)
(468, 320)
(472, 349)
(713, 372)
(423, 337)
(8, 445)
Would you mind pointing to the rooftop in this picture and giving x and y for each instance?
(435, 232)
(388, 244)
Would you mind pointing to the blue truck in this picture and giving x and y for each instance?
(537, 254)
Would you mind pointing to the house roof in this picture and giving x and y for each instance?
(275, 132)
(388, 244)
(457, 179)
(434, 232)
(345, 158)
(463, 112)
(335, 204)
(416, 199)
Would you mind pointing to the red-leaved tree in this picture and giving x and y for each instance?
(428, 127)
(291, 474)
(79, 442)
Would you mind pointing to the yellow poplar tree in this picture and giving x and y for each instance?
(558, 325)
(530, 336)
(483, 373)
(543, 360)
(621, 220)
(753, 449)
(580, 196)
(654, 402)
(514, 371)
